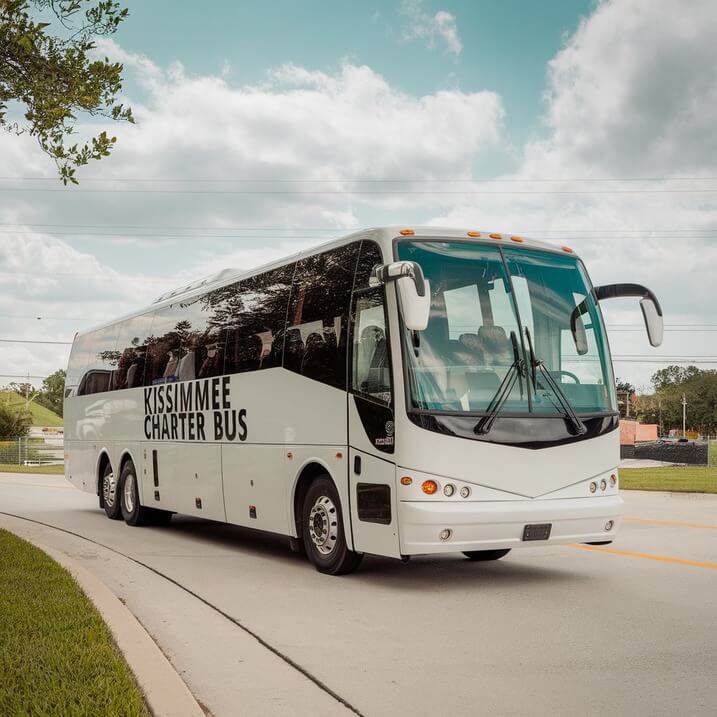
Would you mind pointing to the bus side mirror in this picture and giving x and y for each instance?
(651, 309)
(653, 321)
(580, 336)
(413, 288)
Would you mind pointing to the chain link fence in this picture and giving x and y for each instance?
(32, 451)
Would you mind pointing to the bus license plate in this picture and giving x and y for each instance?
(538, 531)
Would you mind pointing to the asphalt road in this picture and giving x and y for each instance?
(630, 629)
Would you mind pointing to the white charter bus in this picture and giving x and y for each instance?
(396, 392)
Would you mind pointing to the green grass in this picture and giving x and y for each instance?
(41, 416)
(57, 656)
(46, 470)
(678, 479)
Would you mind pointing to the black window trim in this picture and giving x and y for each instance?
(411, 410)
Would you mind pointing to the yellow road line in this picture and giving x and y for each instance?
(648, 556)
(676, 523)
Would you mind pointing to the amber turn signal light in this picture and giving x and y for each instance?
(406, 480)
(429, 487)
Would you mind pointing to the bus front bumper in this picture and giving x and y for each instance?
(500, 524)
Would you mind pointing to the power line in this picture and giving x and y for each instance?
(21, 375)
(364, 180)
(164, 236)
(32, 341)
(607, 230)
(48, 318)
(187, 228)
(373, 192)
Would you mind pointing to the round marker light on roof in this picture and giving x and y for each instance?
(473, 234)
(567, 249)
(407, 232)
(593, 486)
(449, 489)
(429, 487)
(613, 480)
(515, 237)
(406, 480)
(495, 236)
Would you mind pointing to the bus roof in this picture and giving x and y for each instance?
(384, 236)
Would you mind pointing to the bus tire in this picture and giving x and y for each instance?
(482, 555)
(132, 512)
(109, 496)
(323, 530)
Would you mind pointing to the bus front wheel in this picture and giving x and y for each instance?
(486, 554)
(323, 530)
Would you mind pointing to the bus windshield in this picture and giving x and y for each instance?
(498, 311)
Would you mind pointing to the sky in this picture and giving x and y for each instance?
(264, 128)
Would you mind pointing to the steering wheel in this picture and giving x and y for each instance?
(560, 372)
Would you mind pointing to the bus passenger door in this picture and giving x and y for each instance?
(372, 470)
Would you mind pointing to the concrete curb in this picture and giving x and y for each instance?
(164, 690)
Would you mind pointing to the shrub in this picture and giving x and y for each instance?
(15, 421)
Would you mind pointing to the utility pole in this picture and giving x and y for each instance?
(684, 416)
(659, 408)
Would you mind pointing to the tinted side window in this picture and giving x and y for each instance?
(77, 363)
(164, 346)
(102, 360)
(201, 338)
(254, 313)
(131, 352)
(316, 330)
(368, 258)
(370, 355)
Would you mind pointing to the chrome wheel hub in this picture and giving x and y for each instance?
(108, 489)
(129, 492)
(324, 525)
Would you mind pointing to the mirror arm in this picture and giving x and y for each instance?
(383, 273)
(617, 291)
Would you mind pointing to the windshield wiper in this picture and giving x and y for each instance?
(568, 411)
(514, 373)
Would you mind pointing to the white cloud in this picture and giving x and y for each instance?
(421, 25)
(298, 124)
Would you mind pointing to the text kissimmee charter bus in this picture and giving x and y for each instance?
(396, 392)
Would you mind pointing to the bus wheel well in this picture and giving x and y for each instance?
(309, 474)
(104, 460)
(126, 458)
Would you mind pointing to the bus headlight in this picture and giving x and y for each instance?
(603, 484)
(465, 491)
(593, 486)
(449, 490)
(613, 480)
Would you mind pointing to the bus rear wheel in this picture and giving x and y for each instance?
(323, 530)
(132, 512)
(486, 554)
(109, 495)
